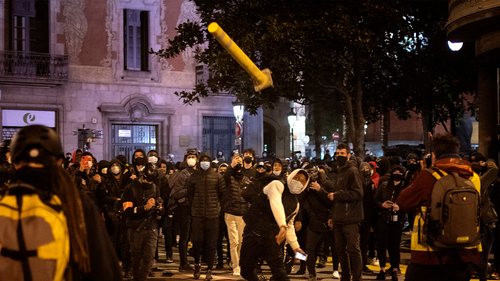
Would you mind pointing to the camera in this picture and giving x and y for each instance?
(159, 203)
(118, 210)
(313, 174)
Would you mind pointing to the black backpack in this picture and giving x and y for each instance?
(453, 217)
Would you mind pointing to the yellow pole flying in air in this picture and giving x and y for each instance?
(261, 79)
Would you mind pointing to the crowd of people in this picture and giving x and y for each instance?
(265, 209)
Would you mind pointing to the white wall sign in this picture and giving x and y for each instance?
(21, 118)
(124, 133)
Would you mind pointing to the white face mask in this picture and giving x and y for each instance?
(191, 162)
(153, 159)
(295, 187)
(276, 173)
(104, 171)
(204, 165)
(115, 170)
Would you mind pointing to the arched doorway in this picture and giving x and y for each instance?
(269, 138)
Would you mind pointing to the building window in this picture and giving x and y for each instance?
(126, 138)
(136, 35)
(218, 135)
(29, 30)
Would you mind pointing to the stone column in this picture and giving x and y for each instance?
(488, 107)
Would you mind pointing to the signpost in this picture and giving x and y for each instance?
(336, 136)
(238, 130)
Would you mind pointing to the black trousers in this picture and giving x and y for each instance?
(222, 234)
(364, 237)
(204, 230)
(124, 245)
(182, 214)
(142, 251)
(347, 246)
(389, 238)
(314, 241)
(254, 247)
(167, 222)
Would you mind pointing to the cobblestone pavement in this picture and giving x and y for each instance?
(169, 271)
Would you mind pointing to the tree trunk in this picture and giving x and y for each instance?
(386, 125)
(318, 128)
(358, 131)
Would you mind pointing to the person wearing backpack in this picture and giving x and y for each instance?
(430, 259)
(64, 237)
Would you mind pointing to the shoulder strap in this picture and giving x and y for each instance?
(21, 188)
(436, 173)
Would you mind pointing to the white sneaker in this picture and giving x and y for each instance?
(237, 271)
(336, 274)
(376, 262)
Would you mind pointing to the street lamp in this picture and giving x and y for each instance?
(455, 46)
(238, 110)
(292, 118)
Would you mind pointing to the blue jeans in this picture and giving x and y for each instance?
(347, 247)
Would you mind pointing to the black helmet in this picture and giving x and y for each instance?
(150, 172)
(34, 142)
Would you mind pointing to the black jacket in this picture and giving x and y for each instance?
(488, 213)
(234, 203)
(178, 191)
(318, 206)
(369, 207)
(260, 220)
(136, 215)
(386, 191)
(348, 196)
(204, 191)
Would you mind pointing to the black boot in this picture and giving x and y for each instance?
(302, 269)
(381, 275)
(197, 271)
(209, 275)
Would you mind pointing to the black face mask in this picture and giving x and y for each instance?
(396, 177)
(268, 168)
(341, 160)
(413, 167)
(139, 161)
(248, 159)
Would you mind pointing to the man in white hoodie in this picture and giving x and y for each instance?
(269, 221)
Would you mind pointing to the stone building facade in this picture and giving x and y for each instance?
(478, 21)
(83, 67)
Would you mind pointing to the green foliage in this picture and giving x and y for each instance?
(368, 56)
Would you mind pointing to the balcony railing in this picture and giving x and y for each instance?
(37, 67)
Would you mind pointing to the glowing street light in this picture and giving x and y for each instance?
(455, 46)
